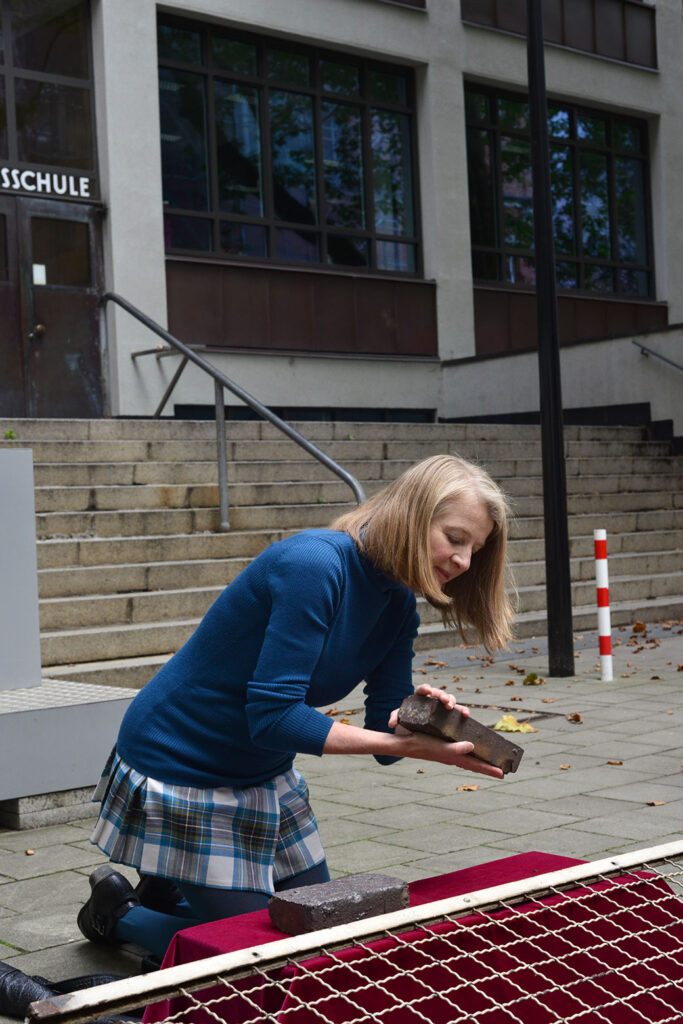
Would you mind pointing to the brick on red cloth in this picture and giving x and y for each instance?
(256, 929)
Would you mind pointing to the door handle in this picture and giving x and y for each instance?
(37, 332)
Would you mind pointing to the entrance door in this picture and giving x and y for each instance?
(50, 345)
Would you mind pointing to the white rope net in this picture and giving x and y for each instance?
(608, 948)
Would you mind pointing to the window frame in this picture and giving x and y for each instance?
(11, 71)
(576, 145)
(262, 83)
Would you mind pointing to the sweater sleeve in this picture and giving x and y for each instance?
(392, 680)
(305, 586)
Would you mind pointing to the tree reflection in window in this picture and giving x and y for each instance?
(308, 156)
(599, 192)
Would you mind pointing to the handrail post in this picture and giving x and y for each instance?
(167, 393)
(222, 456)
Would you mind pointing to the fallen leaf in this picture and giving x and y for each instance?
(467, 789)
(520, 650)
(547, 700)
(669, 712)
(420, 771)
(576, 717)
(471, 657)
(656, 803)
(625, 675)
(29, 853)
(433, 661)
(533, 679)
(655, 677)
(345, 721)
(564, 767)
(615, 762)
(516, 698)
(639, 627)
(456, 679)
(332, 712)
(510, 682)
(423, 671)
(508, 723)
(680, 668)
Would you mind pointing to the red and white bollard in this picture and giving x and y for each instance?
(604, 625)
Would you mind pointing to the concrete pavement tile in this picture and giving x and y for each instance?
(42, 927)
(362, 856)
(642, 792)
(334, 831)
(457, 861)
(565, 841)
(75, 959)
(562, 785)
(636, 825)
(368, 798)
(402, 816)
(580, 807)
(483, 801)
(39, 838)
(521, 820)
(46, 861)
(442, 838)
(46, 891)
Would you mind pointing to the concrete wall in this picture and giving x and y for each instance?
(19, 629)
(599, 374)
(444, 53)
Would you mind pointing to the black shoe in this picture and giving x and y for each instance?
(112, 897)
(18, 991)
(158, 893)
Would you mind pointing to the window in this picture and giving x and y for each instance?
(599, 180)
(283, 153)
(46, 109)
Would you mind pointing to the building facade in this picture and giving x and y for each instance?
(332, 199)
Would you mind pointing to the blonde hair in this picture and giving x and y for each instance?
(392, 529)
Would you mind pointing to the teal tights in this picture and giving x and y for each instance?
(200, 904)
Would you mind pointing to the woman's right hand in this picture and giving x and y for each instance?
(459, 754)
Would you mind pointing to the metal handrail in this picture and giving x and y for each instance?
(651, 352)
(220, 382)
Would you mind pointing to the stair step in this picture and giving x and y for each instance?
(135, 671)
(168, 427)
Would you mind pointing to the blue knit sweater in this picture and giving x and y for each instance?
(299, 628)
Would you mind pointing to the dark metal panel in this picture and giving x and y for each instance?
(416, 331)
(552, 21)
(292, 311)
(578, 25)
(512, 16)
(376, 316)
(523, 321)
(335, 313)
(482, 12)
(505, 320)
(266, 308)
(640, 36)
(609, 29)
(491, 322)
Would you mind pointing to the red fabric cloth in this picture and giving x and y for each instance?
(234, 933)
(469, 971)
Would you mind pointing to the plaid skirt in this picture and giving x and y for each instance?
(226, 838)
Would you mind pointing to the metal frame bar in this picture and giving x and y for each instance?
(117, 996)
(221, 381)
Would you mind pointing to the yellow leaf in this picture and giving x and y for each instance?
(656, 803)
(532, 679)
(508, 723)
(564, 767)
(467, 789)
(615, 762)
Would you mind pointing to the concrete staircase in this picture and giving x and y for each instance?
(126, 515)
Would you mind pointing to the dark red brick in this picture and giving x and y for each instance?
(312, 907)
(430, 715)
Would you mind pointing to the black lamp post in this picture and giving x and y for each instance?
(558, 581)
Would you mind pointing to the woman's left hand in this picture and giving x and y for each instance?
(425, 690)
